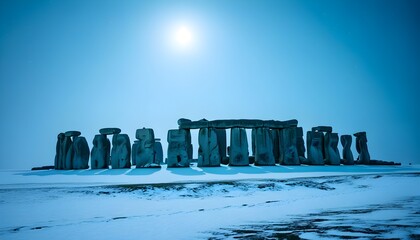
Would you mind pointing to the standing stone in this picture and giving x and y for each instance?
(208, 151)
(314, 142)
(221, 141)
(81, 153)
(100, 155)
(121, 151)
(362, 148)
(289, 154)
(275, 134)
(264, 155)
(346, 141)
(238, 150)
(68, 149)
(59, 161)
(145, 152)
(189, 145)
(300, 144)
(133, 151)
(332, 155)
(177, 148)
(158, 151)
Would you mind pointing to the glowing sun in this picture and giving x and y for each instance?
(183, 36)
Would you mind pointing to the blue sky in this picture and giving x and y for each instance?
(85, 65)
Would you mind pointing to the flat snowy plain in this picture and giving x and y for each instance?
(281, 202)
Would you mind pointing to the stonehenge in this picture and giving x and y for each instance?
(144, 154)
(361, 148)
(273, 142)
(346, 141)
(178, 146)
(100, 154)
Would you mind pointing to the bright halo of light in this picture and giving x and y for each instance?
(183, 36)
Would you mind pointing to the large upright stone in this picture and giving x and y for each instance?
(189, 145)
(121, 151)
(275, 134)
(332, 156)
(362, 148)
(81, 153)
(264, 155)
(221, 141)
(300, 144)
(145, 151)
(67, 153)
(208, 151)
(59, 161)
(288, 149)
(238, 150)
(158, 151)
(100, 154)
(346, 141)
(133, 151)
(314, 142)
(177, 148)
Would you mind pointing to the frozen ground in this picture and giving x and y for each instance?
(255, 202)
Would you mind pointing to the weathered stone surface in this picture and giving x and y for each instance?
(100, 154)
(314, 144)
(288, 149)
(236, 123)
(145, 152)
(238, 150)
(81, 153)
(67, 151)
(109, 131)
(158, 151)
(322, 129)
(189, 144)
(362, 148)
(121, 151)
(275, 134)
(332, 155)
(133, 151)
(177, 148)
(72, 133)
(208, 151)
(300, 144)
(346, 141)
(221, 141)
(264, 155)
(59, 161)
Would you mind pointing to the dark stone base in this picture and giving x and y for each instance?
(42, 168)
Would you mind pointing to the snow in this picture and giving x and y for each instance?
(220, 202)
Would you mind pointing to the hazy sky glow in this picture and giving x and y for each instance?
(85, 65)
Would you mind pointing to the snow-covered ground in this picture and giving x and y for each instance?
(227, 202)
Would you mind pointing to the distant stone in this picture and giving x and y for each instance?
(208, 151)
(59, 161)
(177, 148)
(300, 144)
(322, 129)
(264, 155)
(288, 149)
(43, 168)
(346, 141)
(67, 153)
(332, 156)
(145, 151)
(81, 153)
(275, 134)
(362, 148)
(72, 133)
(121, 151)
(238, 150)
(100, 154)
(133, 151)
(109, 131)
(221, 142)
(314, 145)
(158, 151)
(183, 121)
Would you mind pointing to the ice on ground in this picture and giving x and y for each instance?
(359, 202)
